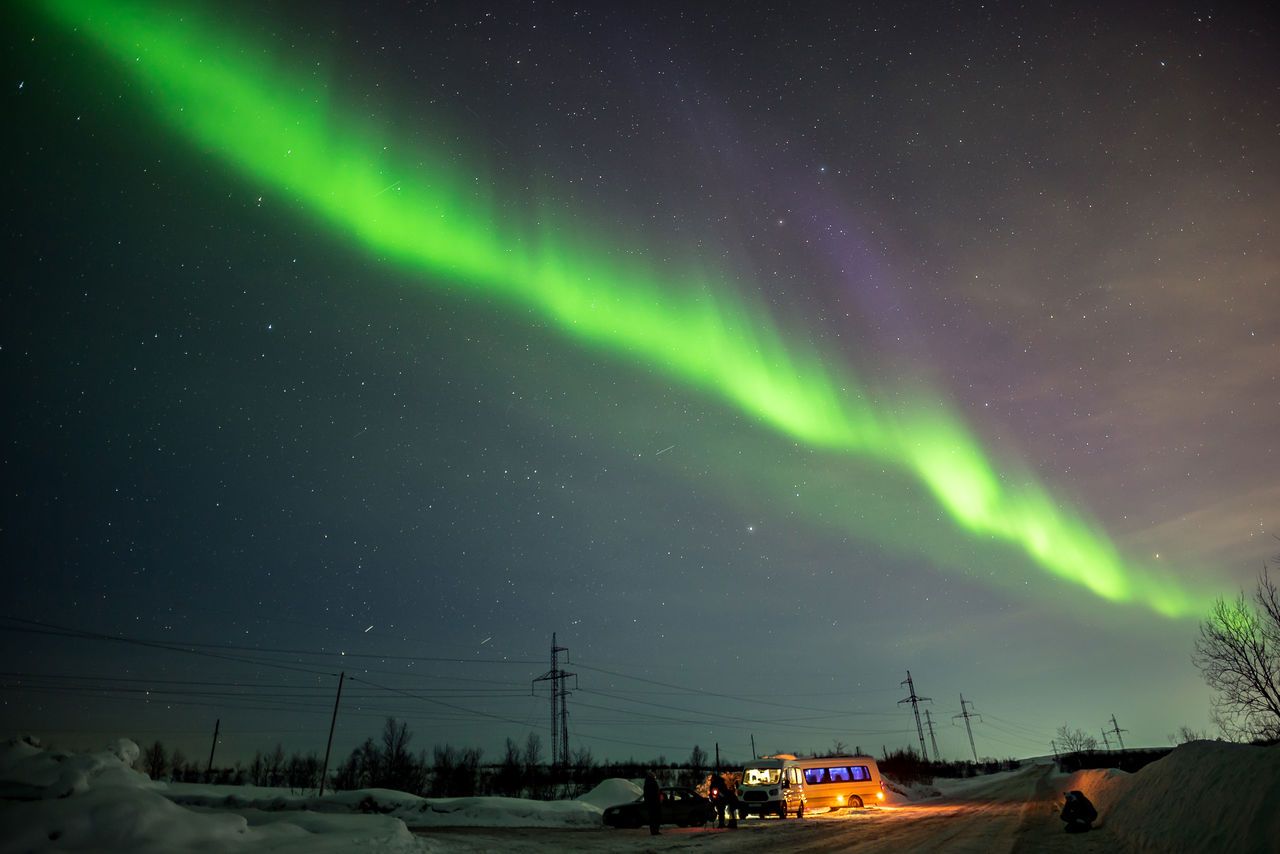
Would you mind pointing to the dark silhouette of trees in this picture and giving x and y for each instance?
(275, 766)
(1074, 740)
(508, 781)
(155, 761)
(454, 773)
(1238, 654)
(397, 762)
(696, 767)
(1186, 734)
(177, 762)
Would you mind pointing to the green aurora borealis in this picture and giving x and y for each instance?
(279, 128)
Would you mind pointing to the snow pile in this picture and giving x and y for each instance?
(612, 793)
(96, 802)
(896, 794)
(415, 811)
(962, 787)
(1204, 796)
(498, 812)
(28, 770)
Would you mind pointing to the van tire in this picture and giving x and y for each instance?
(855, 802)
(800, 812)
(782, 810)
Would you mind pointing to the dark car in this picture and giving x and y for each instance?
(681, 806)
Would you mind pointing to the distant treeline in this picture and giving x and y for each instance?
(445, 771)
(1126, 760)
(907, 766)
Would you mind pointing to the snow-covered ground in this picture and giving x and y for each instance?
(1205, 796)
(59, 801)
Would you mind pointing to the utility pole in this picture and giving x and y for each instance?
(966, 714)
(717, 757)
(559, 706)
(1054, 745)
(332, 723)
(914, 701)
(216, 726)
(928, 720)
(1115, 728)
(754, 755)
(1105, 741)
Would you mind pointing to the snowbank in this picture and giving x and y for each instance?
(611, 793)
(1204, 796)
(30, 771)
(498, 812)
(96, 802)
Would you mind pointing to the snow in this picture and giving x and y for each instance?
(953, 787)
(97, 802)
(611, 793)
(499, 812)
(1204, 796)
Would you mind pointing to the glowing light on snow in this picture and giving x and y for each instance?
(423, 212)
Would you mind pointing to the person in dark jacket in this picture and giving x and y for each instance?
(653, 802)
(1077, 812)
(723, 798)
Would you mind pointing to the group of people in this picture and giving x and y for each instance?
(722, 796)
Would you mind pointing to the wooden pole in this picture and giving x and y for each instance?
(324, 773)
(216, 726)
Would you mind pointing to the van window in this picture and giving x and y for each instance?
(761, 776)
(813, 776)
(838, 775)
(861, 772)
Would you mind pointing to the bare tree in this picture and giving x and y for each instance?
(1238, 654)
(532, 753)
(275, 766)
(695, 772)
(508, 781)
(176, 762)
(155, 761)
(533, 776)
(1186, 734)
(397, 760)
(1075, 740)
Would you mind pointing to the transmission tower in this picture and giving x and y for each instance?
(965, 713)
(1115, 728)
(559, 706)
(1106, 741)
(915, 701)
(928, 721)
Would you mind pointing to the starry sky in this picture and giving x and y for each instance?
(761, 354)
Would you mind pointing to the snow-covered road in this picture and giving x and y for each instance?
(1016, 813)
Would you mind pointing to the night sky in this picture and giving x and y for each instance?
(760, 353)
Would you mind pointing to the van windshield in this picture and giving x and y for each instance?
(761, 776)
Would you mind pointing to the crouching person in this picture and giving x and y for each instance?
(1078, 812)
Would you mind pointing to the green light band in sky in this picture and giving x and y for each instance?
(227, 97)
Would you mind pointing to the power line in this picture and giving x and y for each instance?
(722, 696)
(263, 649)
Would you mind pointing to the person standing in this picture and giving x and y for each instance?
(653, 802)
(724, 798)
